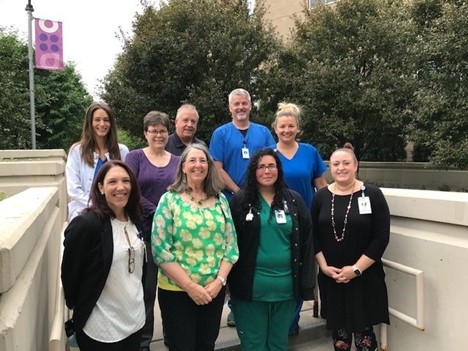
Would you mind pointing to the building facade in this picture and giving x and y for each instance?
(281, 13)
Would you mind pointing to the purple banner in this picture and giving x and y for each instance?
(49, 46)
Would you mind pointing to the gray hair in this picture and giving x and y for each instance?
(212, 184)
(239, 91)
(187, 107)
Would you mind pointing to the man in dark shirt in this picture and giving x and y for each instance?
(185, 127)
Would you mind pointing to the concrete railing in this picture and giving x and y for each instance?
(429, 233)
(21, 169)
(411, 175)
(30, 241)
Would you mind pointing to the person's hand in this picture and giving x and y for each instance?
(330, 271)
(335, 273)
(345, 275)
(213, 288)
(198, 294)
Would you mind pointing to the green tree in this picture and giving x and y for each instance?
(440, 112)
(14, 99)
(60, 97)
(189, 51)
(343, 66)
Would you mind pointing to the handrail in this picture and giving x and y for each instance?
(57, 334)
(417, 322)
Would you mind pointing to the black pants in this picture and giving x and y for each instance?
(131, 343)
(190, 327)
(151, 282)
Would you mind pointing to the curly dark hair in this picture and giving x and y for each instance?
(252, 195)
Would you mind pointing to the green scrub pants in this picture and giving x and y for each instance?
(263, 326)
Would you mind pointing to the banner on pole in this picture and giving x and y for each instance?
(49, 46)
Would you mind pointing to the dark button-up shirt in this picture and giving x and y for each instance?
(175, 146)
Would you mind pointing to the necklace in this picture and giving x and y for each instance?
(197, 201)
(345, 218)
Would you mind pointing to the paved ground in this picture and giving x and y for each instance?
(311, 337)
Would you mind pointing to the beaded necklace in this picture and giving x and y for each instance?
(197, 201)
(345, 218)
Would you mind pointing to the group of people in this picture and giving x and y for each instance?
(246, 220)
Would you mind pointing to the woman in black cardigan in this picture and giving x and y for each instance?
(103, 264)
(276, 261)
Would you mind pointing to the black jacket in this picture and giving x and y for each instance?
(87, 259)
(248, 235)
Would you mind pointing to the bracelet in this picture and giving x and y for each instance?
(223, 280)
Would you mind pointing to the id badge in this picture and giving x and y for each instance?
(280, 216)
(364, 205)
(245, 153)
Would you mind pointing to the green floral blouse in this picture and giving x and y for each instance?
(197, 238)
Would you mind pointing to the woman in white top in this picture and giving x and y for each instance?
(103, 264)
(97, 145)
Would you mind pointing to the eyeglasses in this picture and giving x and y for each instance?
(157, 132)
(131, 259)
(263, 168)
(193, 161)
(131, 253)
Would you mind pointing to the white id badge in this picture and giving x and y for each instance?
(364, 205)
(245, 153)
(280, 216)
(249, 217)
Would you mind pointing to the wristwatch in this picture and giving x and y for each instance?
(223, 280)
(357, 271)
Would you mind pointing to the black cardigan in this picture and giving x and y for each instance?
(248, 235)
(87, 259)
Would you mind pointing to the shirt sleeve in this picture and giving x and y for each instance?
(123, 152)
(163, 230)
(269, 139)
(319, 166)
(316, 205)
(217, 146)
(73, 171)
(380, 225)
(133, 160)
(231, 253)
(76, 244)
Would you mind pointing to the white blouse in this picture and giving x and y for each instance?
(120, 310)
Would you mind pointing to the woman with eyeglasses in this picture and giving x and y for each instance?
(155, 169)
(276, 263)
(103, 264)
(194, 243)
(304, 169)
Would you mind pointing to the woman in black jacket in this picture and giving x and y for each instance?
(103, 264)
(276, 261)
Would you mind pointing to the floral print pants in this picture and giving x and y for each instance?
(364, 341)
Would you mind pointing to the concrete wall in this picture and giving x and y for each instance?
(411, 175)
(30, 252)
(31, 222)
(429, 232)
(281, 12)
(21, 169)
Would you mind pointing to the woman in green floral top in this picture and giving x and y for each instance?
(194, 243)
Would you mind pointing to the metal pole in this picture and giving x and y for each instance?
(29, 9)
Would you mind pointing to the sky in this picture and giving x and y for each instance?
(89, 30)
